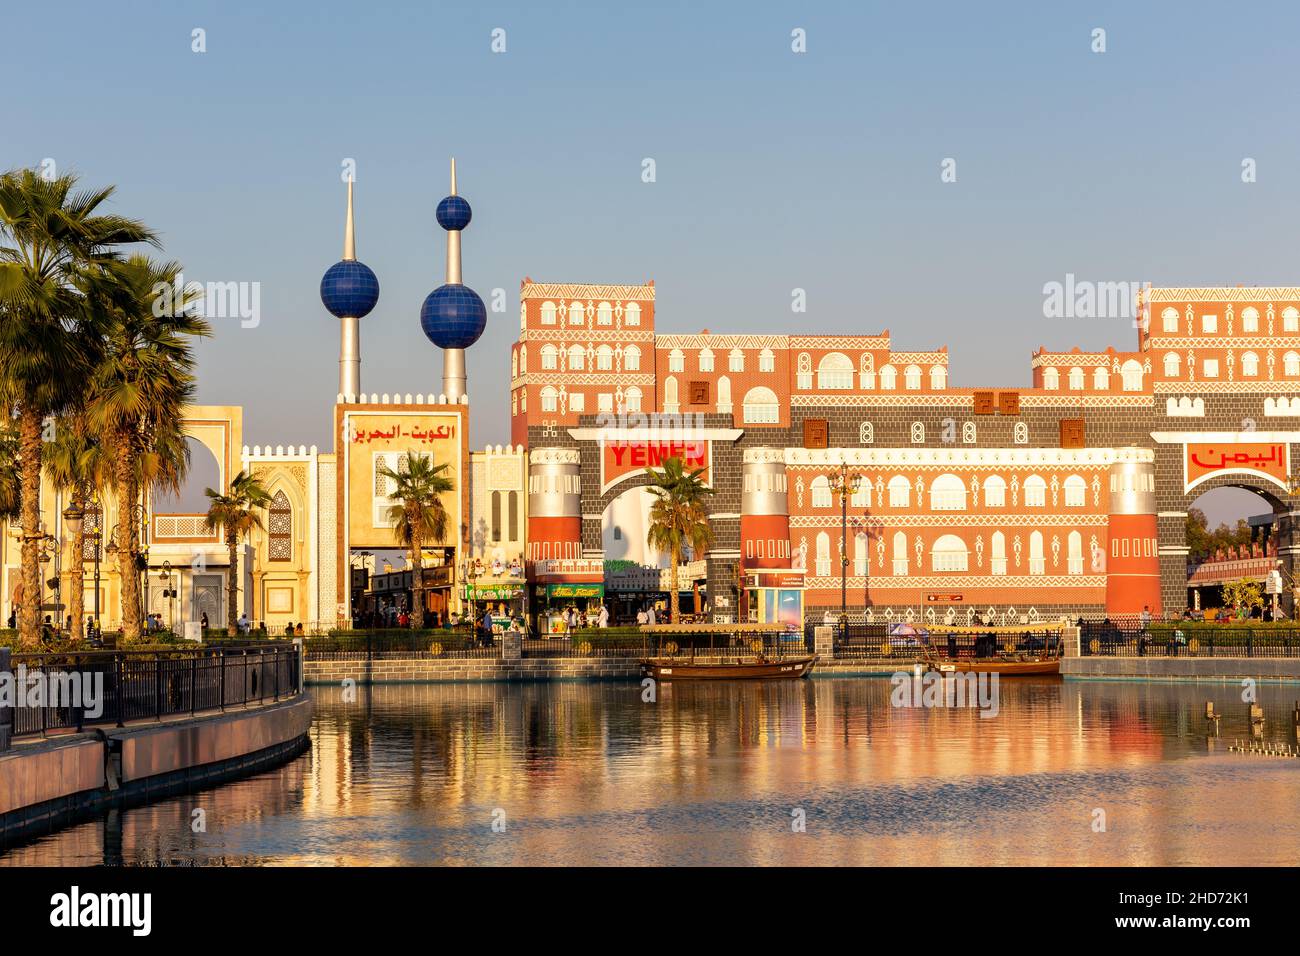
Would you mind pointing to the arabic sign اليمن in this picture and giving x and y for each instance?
(1269, 460)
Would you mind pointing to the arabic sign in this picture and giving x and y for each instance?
(575, 590)
(1269, 460)
(620, 459)
(359, 434)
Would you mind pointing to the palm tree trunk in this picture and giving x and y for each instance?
(29, 617)
(232, 583)
(77, 570)
(417, 584)
(673, 602)
(127, 544)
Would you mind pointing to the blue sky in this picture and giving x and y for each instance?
(775, 170)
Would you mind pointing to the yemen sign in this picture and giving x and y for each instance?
(620, 459)
(1268, 460)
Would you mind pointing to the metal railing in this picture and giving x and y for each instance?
(884, 642)
(1186, 639)
(72, 691)
(461, 642)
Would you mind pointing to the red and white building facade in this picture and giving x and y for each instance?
(1066, 497)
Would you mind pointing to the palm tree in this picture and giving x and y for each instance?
(236, 513)
(78, 464)
(679, 518)
(418, 515)
(10, 474)
(142, 381)
(50, 238)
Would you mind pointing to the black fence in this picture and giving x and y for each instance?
(76, 690)
(378, 645)
(883, 641)
(1130, 639)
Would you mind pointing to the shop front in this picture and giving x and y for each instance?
(504, 599)
(553, 600)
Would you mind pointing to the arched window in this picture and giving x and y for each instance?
(835, 370)
(766, 361)
(550, 399)
(676, 361)
(949, 554)
(1249, 363)
(670, 395)
(1291, 363)
(1131, 373)
(888, 377)
(821, 492)
(1290, 319)
(860, 555)
(632, 314)
(1075, 551)
(1035, 492)
(514, 365)
(632, 359)
(550, 357)
(736, 361)
(706, 360)
(523, 358)
(995, 492)
(1169, 320)
(495, 525)
(912, 378)
(548, 313)
(900, 553)
(1101, 379)
(577, 313)
(1076, 492)
(1037, 564)
(632, 399)
(1051, 379)
(577, 358)
(900, 490)
(604, 358)
(604, 314)
(279, 529)
(823, 554)
(1250, 319)
(938, 377)
(724, 395)
(862, 497)
(1171, 364)
(761, 407)
(998, 562)
(1076, 379)
(948, 493)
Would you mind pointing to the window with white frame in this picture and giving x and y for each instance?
(1209, 323)
(998, 559)
(938, 377)
(550, 357)
(900, 554)
(577, 402)
(604, 314)
(949, 554)
(706, 360)
(1076, 379)
(604, 358)
(766, 361)
(1291, 363)
(912, 378)
(548, 313)
(1290, 319)
(1210, 368)
(605, 402)
(1171, 362)
(835, 371)
(577, 313)
(1075, 552)
(821, 492)
(861, 553)
(1131, 373)
(761, 407)
(1250, 319)
(550, 399)
(1037, 563)
(947, 493)
(888, 378)
(1035, 492)
(1051, 379)
(676, 361)
(995, 492)
(900, 492)
(735, 361)
(670, 395)
(577, 358)
(1169, 320)
(632, 314)
(1076, 492)
(823, 554)
(632, 399)
(1249, 364)
(632, 358)
(1101, 379)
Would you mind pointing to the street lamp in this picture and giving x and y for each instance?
(473, 571)
(169, 593)
(846, 484)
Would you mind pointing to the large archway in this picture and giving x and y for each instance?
(1233, 534)
(624, 526)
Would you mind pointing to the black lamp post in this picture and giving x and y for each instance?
(846, 483)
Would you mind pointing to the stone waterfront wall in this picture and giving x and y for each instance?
(470, 669)
(1181, 668)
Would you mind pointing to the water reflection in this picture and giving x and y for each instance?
(710, 774)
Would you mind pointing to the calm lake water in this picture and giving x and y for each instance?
(586, 773)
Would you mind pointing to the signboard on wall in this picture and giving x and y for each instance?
(1268, 460)
(622, 459)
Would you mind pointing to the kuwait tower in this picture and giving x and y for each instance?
(349, 290)
(453, 316)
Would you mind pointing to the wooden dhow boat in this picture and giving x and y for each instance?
(997, 650)
(725, 652)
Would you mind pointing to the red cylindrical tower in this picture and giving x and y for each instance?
(764, 512)
(554, 505)
(1133, 567)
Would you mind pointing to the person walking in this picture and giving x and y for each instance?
(603, 619)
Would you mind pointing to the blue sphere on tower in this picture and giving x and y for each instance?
(453, 316)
